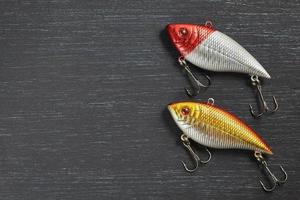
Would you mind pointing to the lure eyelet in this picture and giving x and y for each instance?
(209, 24)
(211, 101)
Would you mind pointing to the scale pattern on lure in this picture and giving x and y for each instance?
(216, 128)
(212, 50)
(213, 127)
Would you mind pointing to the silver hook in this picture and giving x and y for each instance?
(197, 85)
(196, 158)
(255, 81)
(270, 174)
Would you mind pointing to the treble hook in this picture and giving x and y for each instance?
(197, 85)
(255, 81)
(275, 180)
(196, 158)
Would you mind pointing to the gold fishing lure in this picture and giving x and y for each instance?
(213, 127)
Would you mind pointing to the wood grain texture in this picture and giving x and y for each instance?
(84, 88)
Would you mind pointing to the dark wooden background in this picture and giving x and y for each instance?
(84, 87)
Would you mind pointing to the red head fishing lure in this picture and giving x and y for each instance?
(212, 50)
(213, 127)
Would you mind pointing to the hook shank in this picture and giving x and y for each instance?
(197, 85)
(265, 107)
(275, 181)
(187, 144)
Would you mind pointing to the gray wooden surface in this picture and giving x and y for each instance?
(84, 87)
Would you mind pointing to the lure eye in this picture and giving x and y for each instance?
(183, 31)
(185, 111)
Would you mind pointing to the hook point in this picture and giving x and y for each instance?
(275, 181)
(190, 170)
(265, 108)
(197, 85)
(186, 143)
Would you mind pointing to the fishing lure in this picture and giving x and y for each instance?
(212, 50)
(213, 127)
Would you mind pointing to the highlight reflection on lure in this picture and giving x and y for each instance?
(213, 127)
(212, 50)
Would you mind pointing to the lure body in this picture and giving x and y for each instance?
(212, 50)
(213, 127)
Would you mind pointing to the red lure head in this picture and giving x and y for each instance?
(186, 37)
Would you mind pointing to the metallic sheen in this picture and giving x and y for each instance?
(212, 50)
(213, 127)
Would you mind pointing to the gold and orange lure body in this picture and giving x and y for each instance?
(213, 127)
